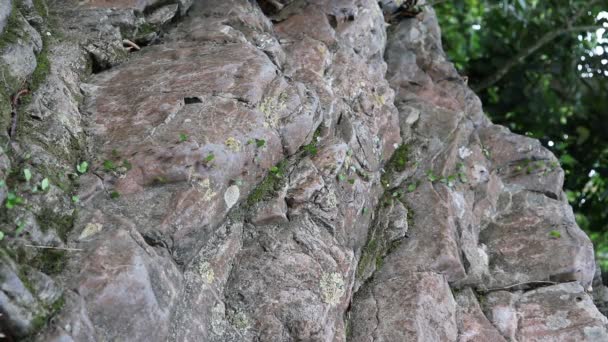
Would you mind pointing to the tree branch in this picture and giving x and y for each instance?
(523, 54)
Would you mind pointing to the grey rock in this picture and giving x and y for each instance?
(567, 314)
(162, 15)
(5, 12)
(188, 227)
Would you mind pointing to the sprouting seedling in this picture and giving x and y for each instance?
(27, 174)
(351, 181)
(412, 187)
(1, 235)
(44, 185)
(342, 177)
(260, 142)
(555, 234)
(75, 199)
(20, 227)
(274, 169)
(114, 194)
(183, 137)
(431, 176)
(209, 158)
(108, 165)
(463, 177)
(12, 199)
(82, 167)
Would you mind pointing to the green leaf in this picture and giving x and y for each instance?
(260, 142)
(351, 181)
(108, 165)
(412, 187)
(75, 199)
(20, 227)
(27, 175)
(342, 177)
(114, 194)
(431, 176)
(209, 158)
(183, 137)
(82, 167)
(44, 185)
(274, 169)
(555, 234)
(1, 235)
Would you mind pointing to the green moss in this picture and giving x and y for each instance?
(312, 148)
(269, 185)
(43, 68)
(62, 224)
(50, 261)
(396, 164)
(13, 28)
(369, 254)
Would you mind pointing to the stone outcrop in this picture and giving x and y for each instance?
(233, 170)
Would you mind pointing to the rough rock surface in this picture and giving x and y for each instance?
(233, 170)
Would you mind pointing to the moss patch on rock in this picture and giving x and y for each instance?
(269, 185)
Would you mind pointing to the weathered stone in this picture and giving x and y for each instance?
(415, 306)
(473, 326)
(522, 247)
(562, 312)
(133, 288)
(239, 184)
(162, 15)
(5, 12)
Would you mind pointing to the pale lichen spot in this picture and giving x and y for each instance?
(240, 320)
(218, 312)
(90, 229)
(332, 288)
(231, 196)
(271, 107)
(204, 186)
(205, 271)
(233, 144)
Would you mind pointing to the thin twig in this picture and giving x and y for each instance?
(131, 44)
(59, 248)
(545, 282)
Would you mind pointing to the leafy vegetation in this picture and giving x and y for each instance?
(541, 69)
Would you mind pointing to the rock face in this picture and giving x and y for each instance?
(271, 171)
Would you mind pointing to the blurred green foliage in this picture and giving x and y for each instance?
(541, 69)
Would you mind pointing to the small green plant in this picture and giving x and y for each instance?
(183, 137)
(311, 149)
(342, 177)
(555, 234)
(75, 199)
(12, 199)
(463, 177)
(1, 235)
(108, 165)
(82, 167)
(20, 227)
(431, 176)
(127, 165)
(27, 174)
(209, 158)
(351, 181)
(260, 142)
(274, 170)
(412, 187)
(44, 185)
(114, 194)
